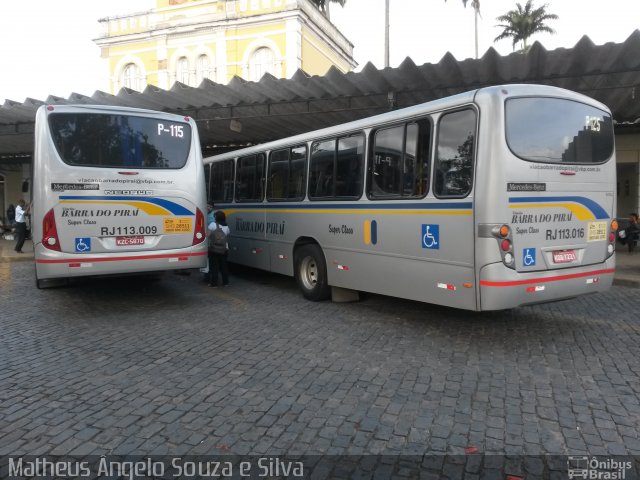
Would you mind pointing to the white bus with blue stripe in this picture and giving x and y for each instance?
(490, 199)
(116, 191)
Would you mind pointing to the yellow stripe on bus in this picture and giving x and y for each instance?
(146, 207)
(367, 232)
(581, 212)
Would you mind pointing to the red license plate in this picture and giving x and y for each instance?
(125, 241)
(564, 256)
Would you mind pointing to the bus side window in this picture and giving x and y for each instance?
(321, 175)
(286, 173)
(250, 180)
(297, 172)
(454, 159)
(349, 166)
(221, 188)
(278, 174)
(387, 162)
(400, 161)
(416, 159)
(207, 180)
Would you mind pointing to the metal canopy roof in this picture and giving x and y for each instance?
(242, 113)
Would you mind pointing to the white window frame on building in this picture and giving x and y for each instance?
(131, 77)
(183, 74)
(262, 60)
(204, 68)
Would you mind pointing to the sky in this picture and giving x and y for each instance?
(47, 48)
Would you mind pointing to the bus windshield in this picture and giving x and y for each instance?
(554, 130)
(120, 141)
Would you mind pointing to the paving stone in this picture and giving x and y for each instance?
(257, 369)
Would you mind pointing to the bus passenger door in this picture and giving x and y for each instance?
(452, 260)
(421, 230)
(248, 244)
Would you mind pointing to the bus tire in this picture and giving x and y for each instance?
(311, 273)
(52, 283)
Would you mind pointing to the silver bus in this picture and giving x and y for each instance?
(116, 191)
(486, 200)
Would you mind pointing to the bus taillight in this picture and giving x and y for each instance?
(50, 238)
(199, 231)
(503, 234)
(612, 237)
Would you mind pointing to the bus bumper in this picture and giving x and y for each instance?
(52, 264)
(503, 288)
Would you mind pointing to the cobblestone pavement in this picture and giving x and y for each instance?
(141, 366)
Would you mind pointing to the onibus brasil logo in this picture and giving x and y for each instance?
(597, 469)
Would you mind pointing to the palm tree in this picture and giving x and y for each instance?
(522, 23)
(476, 7)
(323, 4)
(474, 3)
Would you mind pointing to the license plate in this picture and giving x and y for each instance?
(126, 241)
(564, 256)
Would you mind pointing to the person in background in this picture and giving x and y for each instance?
(21, 224)
(633, 232)
(210, 219)
(210, 212)
(218, 249)
(11, 215)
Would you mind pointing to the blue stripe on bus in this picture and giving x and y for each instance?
(599, 212)
(173, 207)
(352, 206)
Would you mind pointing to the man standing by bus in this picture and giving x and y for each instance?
(633, 232)
(210, 219)
(21, 224)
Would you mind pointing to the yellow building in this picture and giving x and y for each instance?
(192, 40)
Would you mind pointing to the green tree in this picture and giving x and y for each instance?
(322, 4)
(522, 23)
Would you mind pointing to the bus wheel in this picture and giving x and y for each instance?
(311, 273)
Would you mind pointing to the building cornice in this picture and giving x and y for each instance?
(311, 15)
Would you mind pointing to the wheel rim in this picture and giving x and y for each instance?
(309, 272)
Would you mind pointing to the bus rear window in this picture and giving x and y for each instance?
(553, 130)
(119, 141)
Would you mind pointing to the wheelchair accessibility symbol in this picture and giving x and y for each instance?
(431, 236)
(529, 257)
(83, 244)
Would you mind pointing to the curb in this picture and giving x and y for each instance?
(8, 259)
(625, 281)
